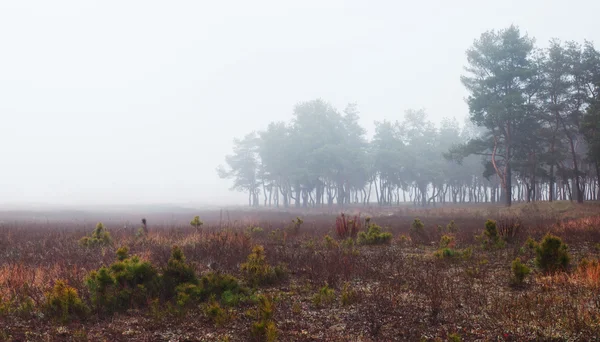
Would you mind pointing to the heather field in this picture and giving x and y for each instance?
(454, 273)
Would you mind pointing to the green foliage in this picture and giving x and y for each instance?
(129, 282)
(221, 286)
(255, 232)
(258, 272)
(447, 249)
(264, 328)
(531, 243)
(450, 253)
(177, 272)
(552, 254)
(374, 236)
(215, 312)
(325, 296)
(447, 241)
(417, 232)
(63, 303)
(519, 271)
(296, 224)
(330, 243)
(490, 238)
(452, 227)
(196, 223)
(348, 296)
(100, 237)
(454, 338)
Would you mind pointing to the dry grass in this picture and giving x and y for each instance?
(400, 291)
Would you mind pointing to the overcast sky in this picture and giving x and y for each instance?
(115, 102)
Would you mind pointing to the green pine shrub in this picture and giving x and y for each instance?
(258, 272)
(520, 271)
(128, 282)
(63, 303)
(417, 232)
(196, 223)
(552, 254)
(374, 236)
(325, 296)
(100, 237)
(264, 327)
(177, 272)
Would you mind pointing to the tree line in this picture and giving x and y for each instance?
(532, 134)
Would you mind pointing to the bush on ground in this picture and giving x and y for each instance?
(63, 303)
(100, 237)
(374, 236)
(129, 282)
(552, 254)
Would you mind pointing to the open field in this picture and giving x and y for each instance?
(436, 282)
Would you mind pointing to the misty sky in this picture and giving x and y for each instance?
(115, 102)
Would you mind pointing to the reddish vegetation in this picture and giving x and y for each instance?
(398, 292)
(347, 228)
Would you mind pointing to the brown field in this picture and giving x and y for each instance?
(394, 291)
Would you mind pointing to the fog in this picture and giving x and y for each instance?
(137, 102)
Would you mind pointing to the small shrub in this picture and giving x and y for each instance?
(325, 295)
(451, 227)
(509, 227)
(278, 236)
(531, 243)
(177, 272)
(255, 231)
(220, 286)
(490, 237)
(100, 237)
(374, 236)
(296, 224)
(143, 230)
(196, 223)
(63, 302)
(552, 254)
(519, 272)
(404, 240)
(447, 241)
(258, 272)
(454, 338)
(216, 313)
(417, 232)
(264, 327)
(129, 282)
(348, 295)
(450, 253)
(347, 228)
(330, 243)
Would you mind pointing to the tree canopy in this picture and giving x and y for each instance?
(531, 134)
